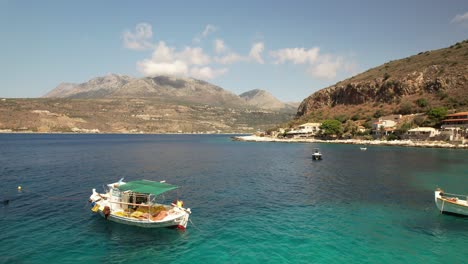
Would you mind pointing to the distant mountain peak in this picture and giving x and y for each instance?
(263, 99)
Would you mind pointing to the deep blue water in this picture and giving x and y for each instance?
(251, 202)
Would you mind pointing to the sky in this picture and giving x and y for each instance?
(288, 48)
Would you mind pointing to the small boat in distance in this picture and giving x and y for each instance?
(133, 203)
(317, 155)
(451, 203)
(363, 148)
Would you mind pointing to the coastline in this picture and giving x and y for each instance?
(112, 133)
(402, 143)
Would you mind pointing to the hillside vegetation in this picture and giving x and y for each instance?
(416, 84)
(130, 115)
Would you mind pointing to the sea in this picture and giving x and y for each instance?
(251, 202)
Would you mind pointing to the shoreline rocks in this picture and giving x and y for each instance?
(403, 143)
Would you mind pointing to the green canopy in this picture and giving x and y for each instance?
(145, 186)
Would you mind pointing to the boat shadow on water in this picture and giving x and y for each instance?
(437, 224)
(133, 235)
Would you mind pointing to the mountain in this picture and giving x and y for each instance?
(123, 104)
(265, 100)
(174, 89)
(437, 78)
(95, 88)
(162, 87)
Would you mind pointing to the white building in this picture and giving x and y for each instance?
(422, 133)
(383, 125)
(305, 130)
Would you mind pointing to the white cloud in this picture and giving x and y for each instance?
(193, 56)
(219, 46)
(461, 19)
(230, 58)
(206, 72)
(191, 61)
(255, 52)
(190, 55)
(153, 68)
(163, 53)
(327, 67)
(140, 38)
(322, 66)
(295, 55)
(208, 30)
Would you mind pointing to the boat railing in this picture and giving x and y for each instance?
(463, 196)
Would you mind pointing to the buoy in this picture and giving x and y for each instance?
(19, 188)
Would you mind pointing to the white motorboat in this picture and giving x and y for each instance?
(451, 203)
(317, 155)
(363, 148)
(133, 203)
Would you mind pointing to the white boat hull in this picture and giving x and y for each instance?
(179, 221)
(450, 205)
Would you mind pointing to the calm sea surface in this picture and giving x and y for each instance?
(251, 202)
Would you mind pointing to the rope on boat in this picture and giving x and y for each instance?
(196, 227)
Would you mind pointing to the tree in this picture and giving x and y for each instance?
(331, 128)
(437, 113)
(350, 127)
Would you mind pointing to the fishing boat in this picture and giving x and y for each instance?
(363, 148)
(451, 203)
(317, 155)
(133, 203)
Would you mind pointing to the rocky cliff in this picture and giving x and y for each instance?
(432, 78)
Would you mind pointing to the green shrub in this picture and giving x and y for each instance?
(421, 102)
(405, 108)
(386, 75)
(355, 117)
(378, 113)
(442, 95)
(341, 118)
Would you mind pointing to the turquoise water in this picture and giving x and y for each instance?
(251, 202)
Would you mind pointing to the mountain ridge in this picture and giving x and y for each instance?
(167, 88)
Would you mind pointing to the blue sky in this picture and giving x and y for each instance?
(289, 48)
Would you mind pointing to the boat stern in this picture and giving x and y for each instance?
(437, 198)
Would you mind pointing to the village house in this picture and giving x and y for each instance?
(383, 127)
(422, 133)
(455, 126)
(304, 130)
